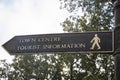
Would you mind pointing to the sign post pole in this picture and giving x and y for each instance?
(117, 38)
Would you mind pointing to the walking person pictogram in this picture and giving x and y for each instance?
(95, 42)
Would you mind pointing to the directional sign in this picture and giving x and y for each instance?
(89, 42)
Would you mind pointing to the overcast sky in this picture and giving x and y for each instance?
(27, 17)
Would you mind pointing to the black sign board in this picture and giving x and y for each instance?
(89, 42)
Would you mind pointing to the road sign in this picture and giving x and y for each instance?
(89, 42)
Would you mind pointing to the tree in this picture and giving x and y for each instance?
(97, 15)
(36, 67)
(4, 69)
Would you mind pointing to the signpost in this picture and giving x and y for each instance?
(89, 42)
(117, 38)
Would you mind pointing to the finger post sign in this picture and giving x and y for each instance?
(88, 42)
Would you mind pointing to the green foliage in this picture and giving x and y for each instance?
(36, 67)
(4, 69)
(95, 15)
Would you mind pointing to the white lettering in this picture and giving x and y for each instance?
(29, 47)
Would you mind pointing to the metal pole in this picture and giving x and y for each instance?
(117, 38)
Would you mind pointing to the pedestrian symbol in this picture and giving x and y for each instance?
(95, 42)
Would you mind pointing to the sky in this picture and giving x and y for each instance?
(28, 17)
